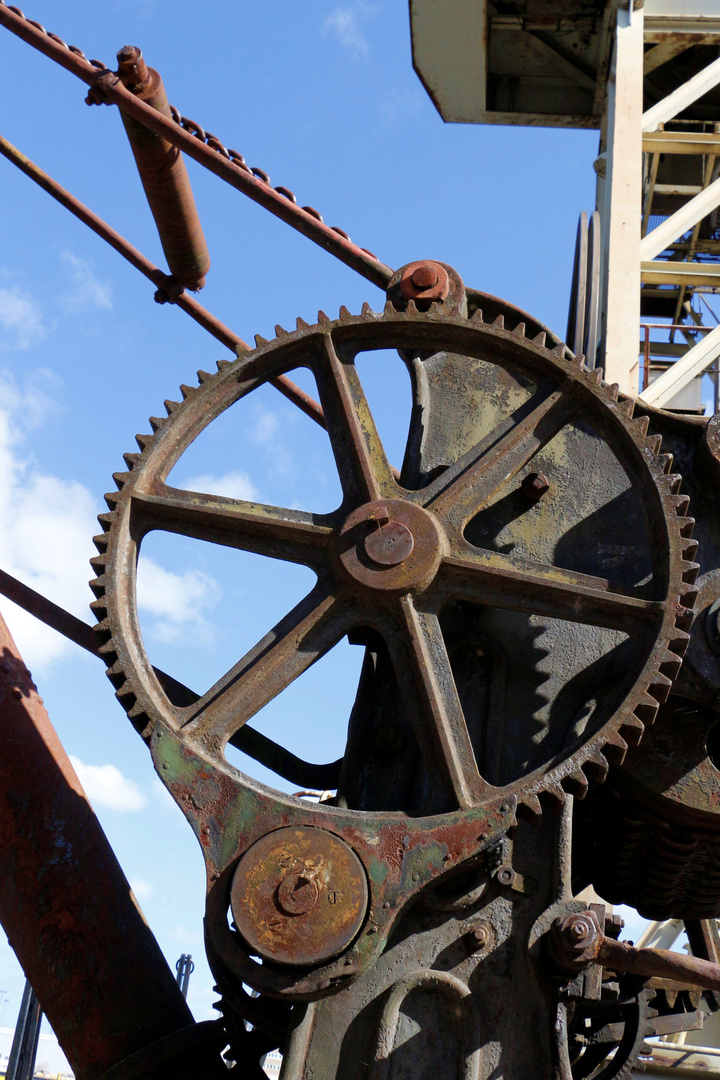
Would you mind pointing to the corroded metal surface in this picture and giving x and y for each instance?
(299, 896)
(164, 176)
(65, 904)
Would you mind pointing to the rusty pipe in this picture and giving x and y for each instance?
(578, 941)
(164, 175)
(66, 905)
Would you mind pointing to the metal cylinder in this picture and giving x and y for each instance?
(65, 903)
(164, 176)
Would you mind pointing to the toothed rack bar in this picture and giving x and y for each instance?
(170, 287)
(107, 86)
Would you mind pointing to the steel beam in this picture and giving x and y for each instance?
(683, 97)
(622, 211)
(679, 222)
(679, 374)
(65, 904)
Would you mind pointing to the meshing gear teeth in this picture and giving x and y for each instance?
(128, 667)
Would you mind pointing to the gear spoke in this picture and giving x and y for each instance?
(275, 531)
(426, 680)
(364, 470)
(469, 485)
(509, 581)
(305, 634)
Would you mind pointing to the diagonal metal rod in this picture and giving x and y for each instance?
(163, 281)
(251, 742)
(113, 92)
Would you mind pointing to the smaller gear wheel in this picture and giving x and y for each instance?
(607, 1037)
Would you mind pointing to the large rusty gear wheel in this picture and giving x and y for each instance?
(389, 558)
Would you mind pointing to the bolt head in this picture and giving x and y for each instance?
(478, 938)
(534, 486)
(425, 276)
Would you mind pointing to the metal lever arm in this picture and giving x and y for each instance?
(578, 941)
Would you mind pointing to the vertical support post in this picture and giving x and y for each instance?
(621, 195)
(21, 1063)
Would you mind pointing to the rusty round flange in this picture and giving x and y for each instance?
(299, 896)
(391, 544)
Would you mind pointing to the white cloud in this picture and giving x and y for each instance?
(106, 787)
(47, 527)
(233, 485)
(87, 290)
(179, 600)
(21, 319)
(344, 23)
(265, 426)
(142, 889)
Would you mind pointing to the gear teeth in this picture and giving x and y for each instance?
(632, 729)
(499, 322)
(680, 642)
(111, 499)
(666, 461)
(519, 330)
(107, 650)
(143, 441)
(156, 423)
(412, 308)
(223, 365)
(575, 784)
(105, 520)
(100, 542)
(552, 796)
(540, 339)
(670, 665)
(131, 460)
(628, 407)
(389, 309)
(596, 374)
(596, 767)
(121, 479)
(689, 597)
(98, 564)
(642, 423)
(203, 377)
(682, 504)
(344, 313)
(186, 390)
(615, 748)
(301, 324)
(170, 406)
(689, 550)
(559, 352)
(614, 390)
(366, 309)
(323, 319)
(260, 341)
(675, 482)
(529, 809)
(683, 618)
(477, 316)
(280, 331)
(690, 573)
(659, 688)
(687, 524)
(655, 442)
(99, 608)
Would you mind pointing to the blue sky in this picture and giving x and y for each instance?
(323, 97)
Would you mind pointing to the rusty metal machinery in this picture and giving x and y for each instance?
(523, 587)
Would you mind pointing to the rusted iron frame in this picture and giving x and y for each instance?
(107, 1004)
(114, 92)
(175, 294)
